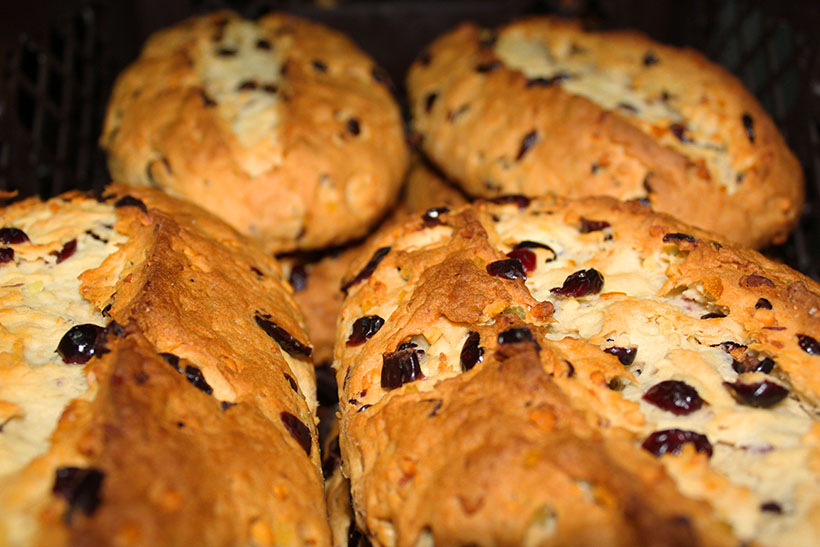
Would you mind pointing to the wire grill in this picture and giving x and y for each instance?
(58, 67)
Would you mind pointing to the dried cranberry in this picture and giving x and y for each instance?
(581, 283)
(749, 126)
(527, 142)
(196, 379)
(753, 364)
(671, 441)
(68, 249)
(758, 394)
(625, 355)
(484, 68)
(713, 315)
(432, 216)
(78, 344)
(297, 430)
(526, 257)
(429, 101)
(172, 360)
(808, 344)
(515, 199)
(298, 277)
(6, 254)
(287, 342)
(510, 268)
(80, 487)
(293, 385)
(364, 328)
(258, 272)
(679, 130)
(677, 236)
(368, 269)
(471, 354)
(550, 81)
(588, 226)
(515, 336)
(400, 367)
(131, 201)
(353, 126)
(650, 59)
(679, 398)
(13, 236)
(763, 303)
(771, 507)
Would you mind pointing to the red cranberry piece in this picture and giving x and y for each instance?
(677, 236)
(471, 354)
(771, 507)
(364, 328)
(131, 201)
(400, 367)
(13, 236)
(808, 344)
(68, 249)
(293, 385)
(527, 142)
(679, 398)
(515, 335)
(625, 355)
(172, 360)
(753, 363)
(507, 269)
(6, 254)
(78, 344)
(679, 130)
(298, 278)
(297, 430)
(588, 226)
(368, 269)
(749, 126)
(581, 283)
(196, 379)
(515, 199)
(526, 257)
(353, 126)
(763, 394)
(763, 303)
(671, 441)
(287, 342)
(432, 216)
(80, 487)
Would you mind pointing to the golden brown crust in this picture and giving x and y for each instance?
(184, 461)
(740, 181)
(540, 442)
(297, 143)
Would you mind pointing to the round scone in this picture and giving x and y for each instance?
(155, 380)
(578, 372)
(541, 106)
(282, 127)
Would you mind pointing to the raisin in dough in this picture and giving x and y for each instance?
(179, 407)
(580, 372)
(542, 106)
(282, 127)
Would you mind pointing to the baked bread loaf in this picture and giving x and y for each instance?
(316, 278)
(282, 127)
(542, 106)
(577, 372)
(178, 408)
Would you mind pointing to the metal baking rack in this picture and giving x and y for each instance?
(58, 65)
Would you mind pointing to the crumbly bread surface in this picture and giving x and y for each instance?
(282, 127)
(498, 410)
(542, 106)
(190, 423)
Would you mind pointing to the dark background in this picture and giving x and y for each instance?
(58, 61)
